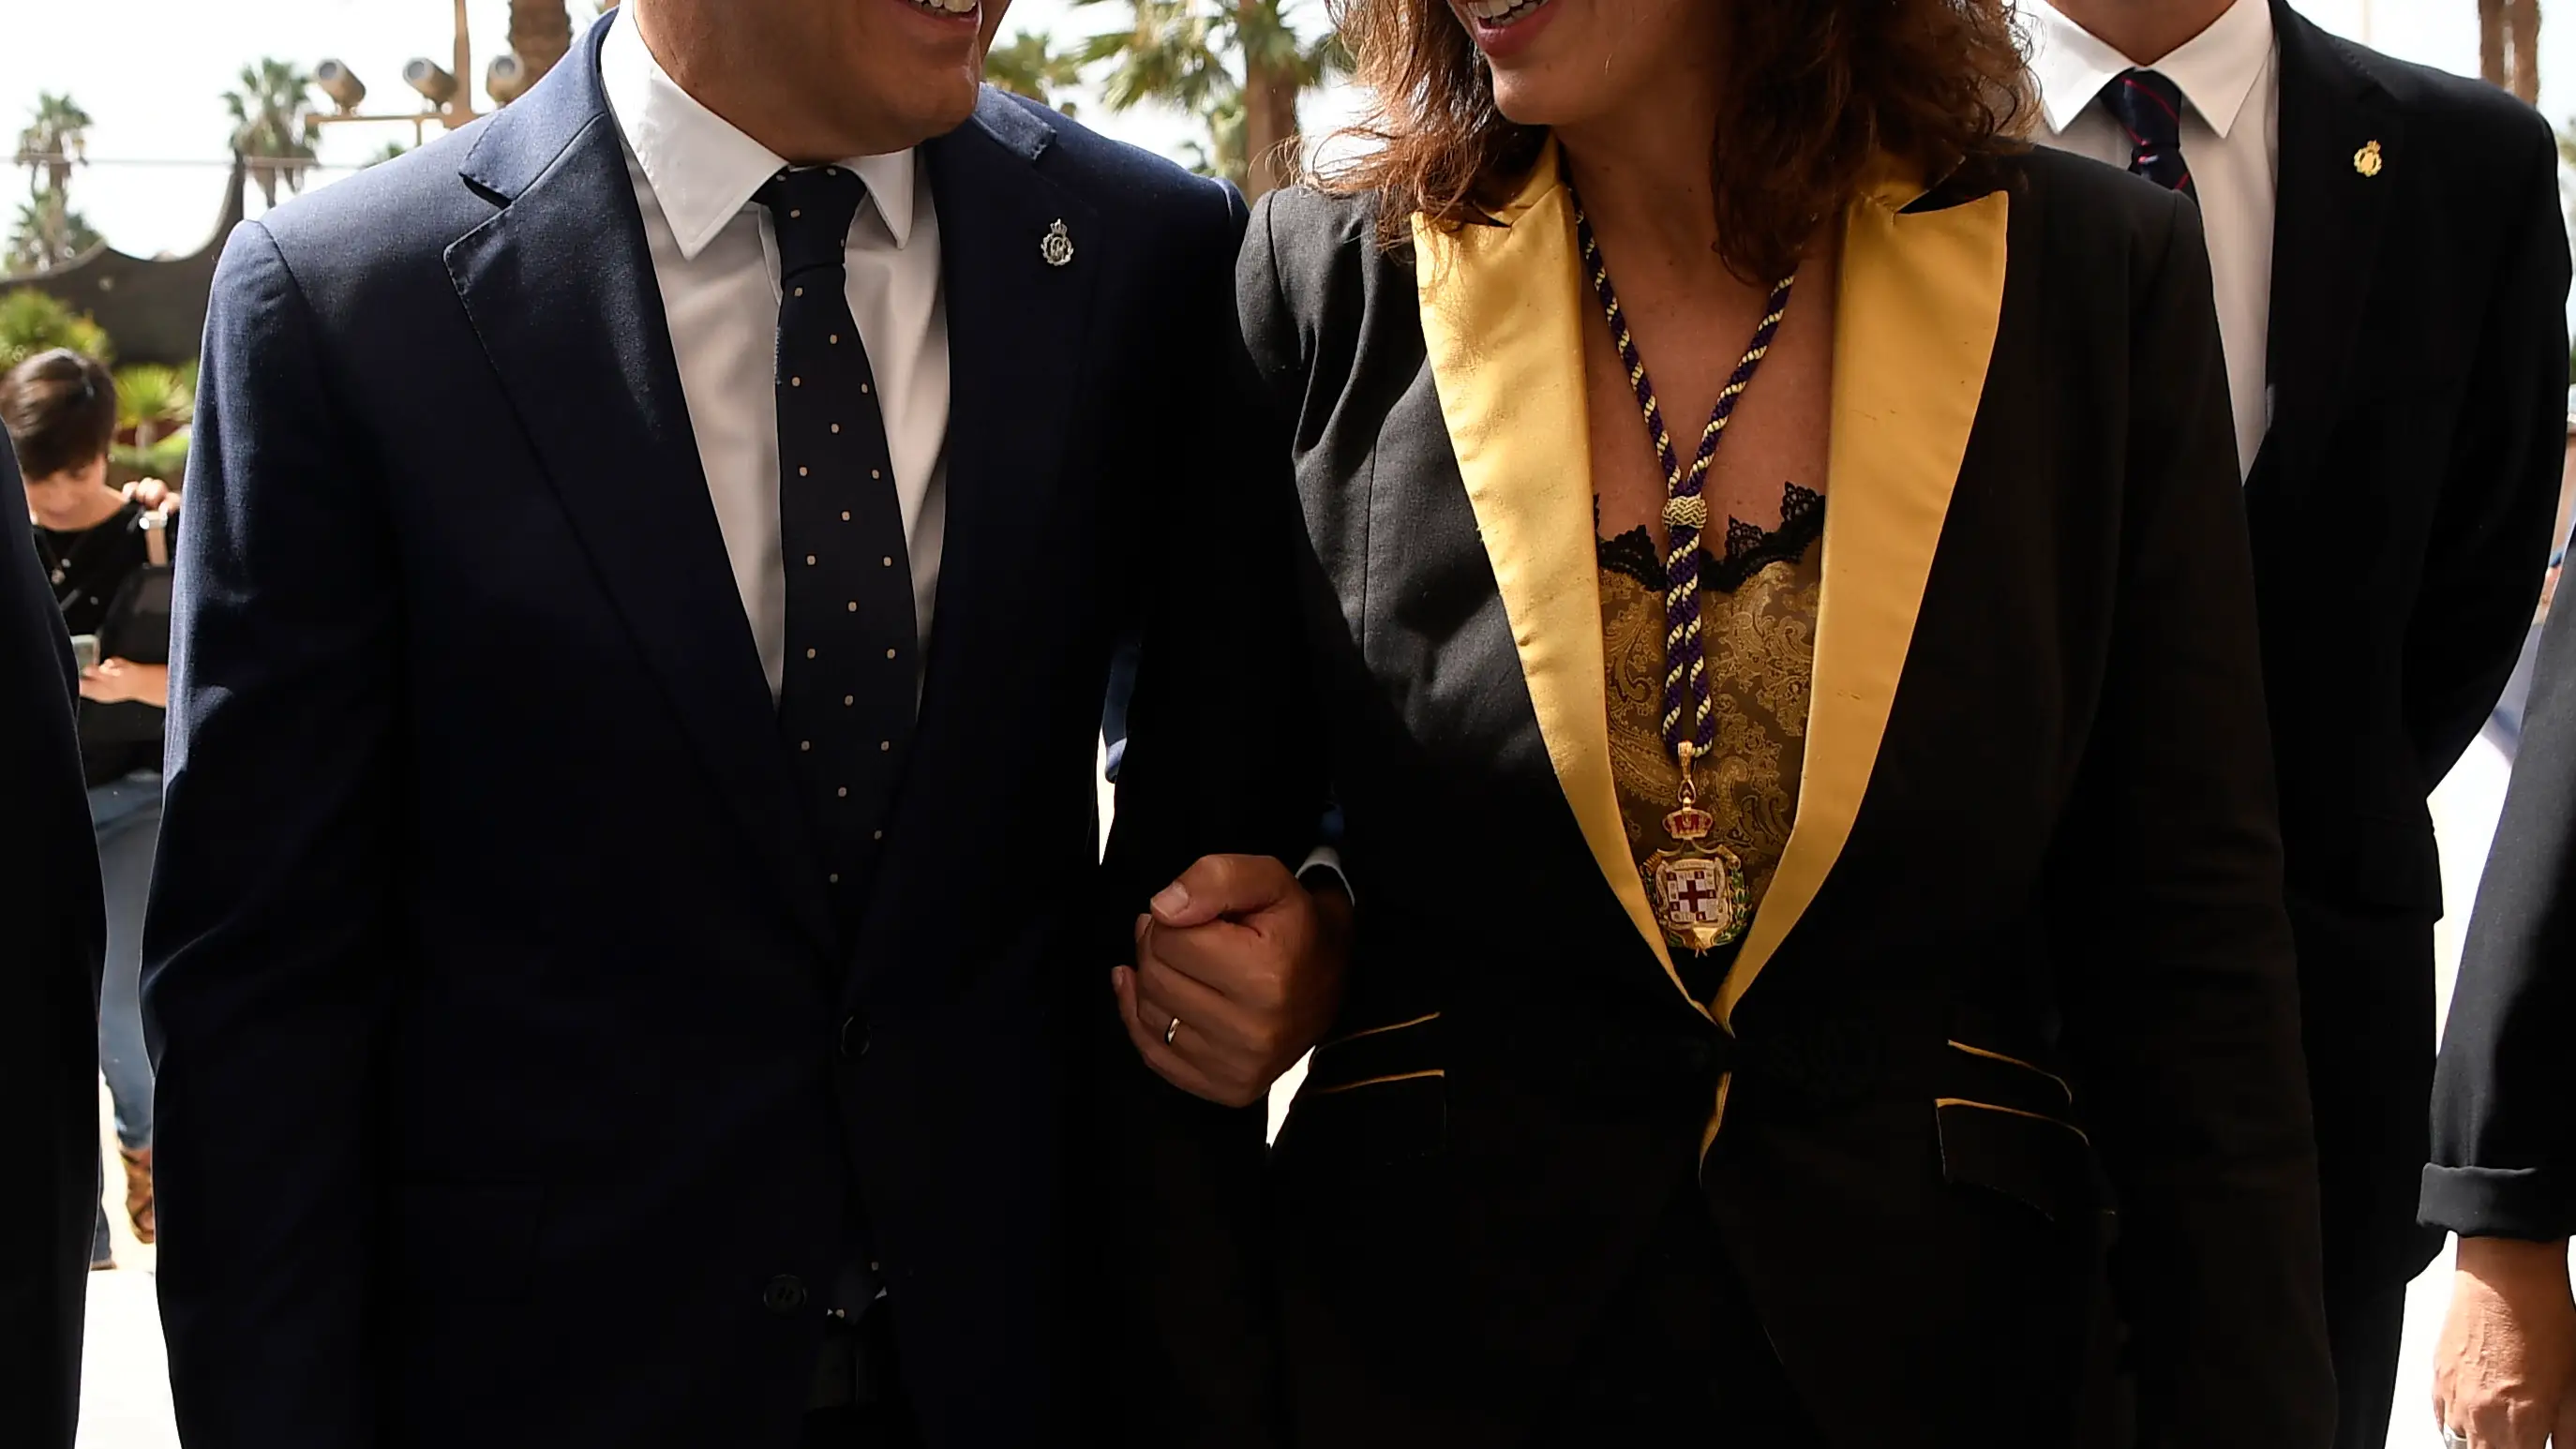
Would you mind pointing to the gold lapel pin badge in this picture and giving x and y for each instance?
(2368, 161)
(1057, 246)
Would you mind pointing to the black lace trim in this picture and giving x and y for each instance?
(1749, 550)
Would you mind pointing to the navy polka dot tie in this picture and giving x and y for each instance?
(846, 708)
(2149, 108)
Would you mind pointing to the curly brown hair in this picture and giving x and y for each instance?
(1811, 91)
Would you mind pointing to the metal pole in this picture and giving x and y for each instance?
(464, 102)
(2365, 23)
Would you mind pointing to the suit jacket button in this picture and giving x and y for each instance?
(854, 1039)
(783, 1295)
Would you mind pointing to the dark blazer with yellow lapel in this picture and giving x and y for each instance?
(2024, 958)
(2400, 509)
(516, 1088)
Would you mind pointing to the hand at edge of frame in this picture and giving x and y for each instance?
(2504, 1369)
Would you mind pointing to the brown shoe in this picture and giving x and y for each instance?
(138, 1191)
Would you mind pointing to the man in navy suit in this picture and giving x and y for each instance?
(48, 1010)
(630, 960)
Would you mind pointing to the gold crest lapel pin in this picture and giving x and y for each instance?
(2368, 161)
(1057, 245)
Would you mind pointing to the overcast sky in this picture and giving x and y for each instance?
(153, 73)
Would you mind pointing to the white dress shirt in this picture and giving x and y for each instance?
(2230, 80)
(715, 256)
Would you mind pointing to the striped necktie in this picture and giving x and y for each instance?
(2149, 108)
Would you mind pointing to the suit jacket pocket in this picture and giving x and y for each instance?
(2041, 1161)
(2007, 1125)
(1372, 1096)
(466, 1242)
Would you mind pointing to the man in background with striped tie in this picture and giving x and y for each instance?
(2391, 279)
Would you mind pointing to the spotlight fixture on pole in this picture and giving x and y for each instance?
(448, 89)
(505, 79)
(341, 84)
(436, 84)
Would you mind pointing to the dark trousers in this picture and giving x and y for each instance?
(2366, 993)
(2366, 1323)
(856, 1428)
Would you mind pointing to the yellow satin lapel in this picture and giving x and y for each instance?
(1921, 298)
(1502, 317)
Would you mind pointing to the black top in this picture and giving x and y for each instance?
(87, 566)
(98, 578)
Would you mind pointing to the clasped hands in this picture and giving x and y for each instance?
(1238, 971)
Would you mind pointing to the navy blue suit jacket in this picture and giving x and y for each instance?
(513, 1089)
(48, 1009)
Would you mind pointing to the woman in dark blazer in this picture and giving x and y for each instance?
(1769, 1061)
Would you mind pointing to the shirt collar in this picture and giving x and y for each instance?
(702, 170)
(2216, 70)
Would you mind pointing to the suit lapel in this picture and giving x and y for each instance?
(2326, 234)
(1502, 312)
(1015, 325)
(560, 288)
(1502, 319)
(1921, 300)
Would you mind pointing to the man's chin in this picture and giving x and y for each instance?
(953, 109)
(918, 125)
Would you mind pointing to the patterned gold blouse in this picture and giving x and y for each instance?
(1758, 616)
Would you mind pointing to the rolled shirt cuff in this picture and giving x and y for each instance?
(2535, 1204)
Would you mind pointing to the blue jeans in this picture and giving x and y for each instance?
(125, 816)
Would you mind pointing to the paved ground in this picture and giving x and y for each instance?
(125, 1403)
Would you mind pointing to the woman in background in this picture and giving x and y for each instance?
(1789, 643)
(96, 544)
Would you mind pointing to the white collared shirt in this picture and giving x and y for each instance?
(2230, 80)
(715, 256)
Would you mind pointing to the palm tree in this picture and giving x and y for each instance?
(47, 234)
(1240, 66)
(273, 124)
(1031, 66)
(154, 401)
(154, 406)
(2509, 45)
(33, 322)
(166, 458)
(540, 33)
(56, 139)
(1278, 69)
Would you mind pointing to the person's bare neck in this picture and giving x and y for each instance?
(716, 59)
(70, 506)
(1645, 182)
(2146, 31)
